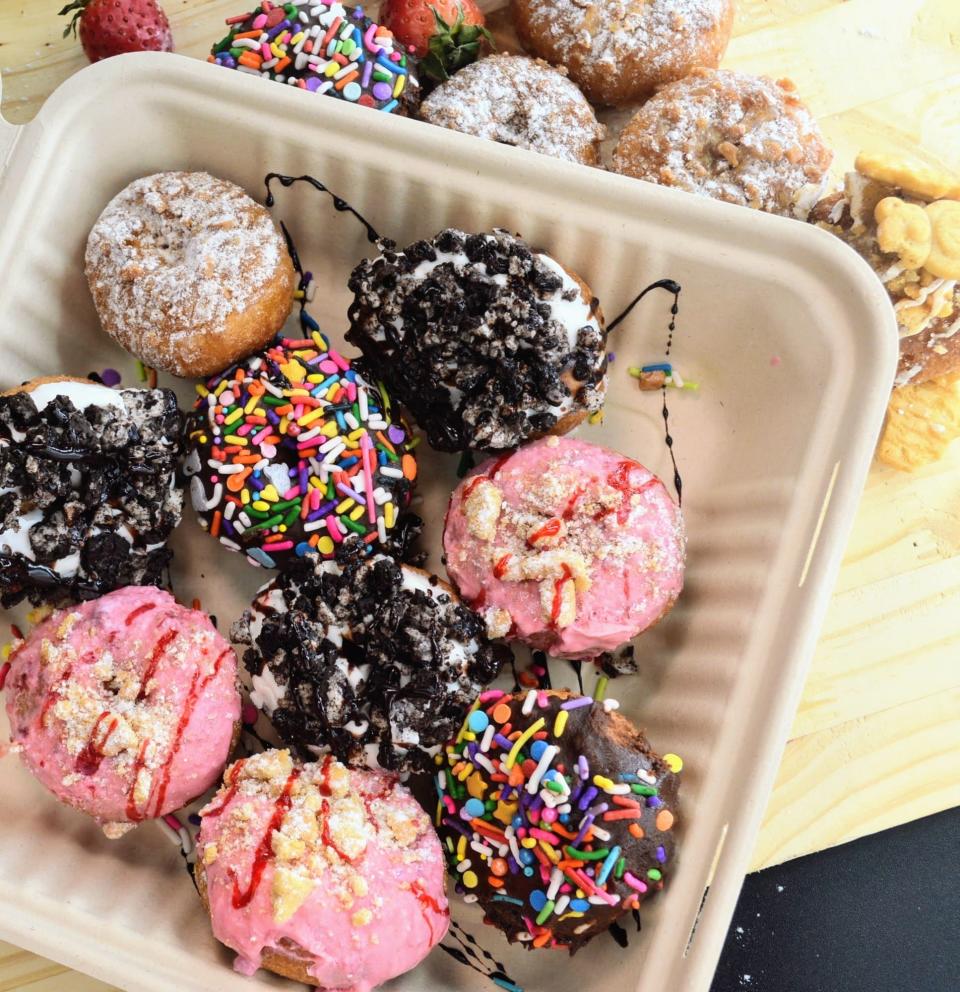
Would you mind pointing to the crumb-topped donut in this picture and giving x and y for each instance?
(374, 661)
(188, 273)
(487, 342)
(619, 51)
(566, 546)
(88, 491)
(732, 136)
(293, 451)
(125, 707)
(323, 47)
(904, 219)
(556, 815)
(515, 100)
(324, 875)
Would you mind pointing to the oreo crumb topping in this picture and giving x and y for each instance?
(87, 497)
(371, 660)
(487, 342)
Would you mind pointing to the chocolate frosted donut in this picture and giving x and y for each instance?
(374, 661)
(325, 48)
(87, 488)
(557, 816)
(486, 341)
(294, 452)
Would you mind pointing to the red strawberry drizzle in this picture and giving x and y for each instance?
(139, 611)
(500, 569)
(264, 852)
(476, 480)
(565, 576)
(325, 776)
(89, 758)
(550, 529)
(325, 835)
(53, 694)
(426, 900)
(133, 814)
(619, 479)
(4, 668)
(571, 506)
(155, 656)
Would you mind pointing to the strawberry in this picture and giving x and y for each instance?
(458, 22)
(112, 27)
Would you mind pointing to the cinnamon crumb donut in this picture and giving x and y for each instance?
(731, 136)
(620, 51)
(519, 101)
(188, 273)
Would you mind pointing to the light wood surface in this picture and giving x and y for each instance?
(876, 739)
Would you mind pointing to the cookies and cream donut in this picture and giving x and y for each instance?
(87, 488)
(620, 51)
(125, 707)
(373, 661)
(566, 546)
(487, 342)
(328, 876)
(904, 219)
(293, 451)
(556, 815)
(735, 137)
(323, 47)
(188, 273)
(519, 101)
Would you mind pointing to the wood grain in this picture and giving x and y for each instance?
(876, 737)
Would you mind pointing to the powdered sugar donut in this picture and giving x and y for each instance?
(518, 101)
(735, 137)
(328, 876)
(124, 707)
(188, 273)
(619, 51)
(566, 546)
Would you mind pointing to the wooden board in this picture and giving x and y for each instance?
(876, 738)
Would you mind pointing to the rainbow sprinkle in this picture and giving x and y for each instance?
(301, 454)
(323, 47)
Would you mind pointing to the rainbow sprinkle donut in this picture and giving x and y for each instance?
(556, 815)
(323, 47)
(293, 452)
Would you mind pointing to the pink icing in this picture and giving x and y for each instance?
(124, 707)
(616, 518)
(370, 914)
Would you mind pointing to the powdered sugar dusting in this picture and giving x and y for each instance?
(174, 255)
(518, 101)
(735, 137)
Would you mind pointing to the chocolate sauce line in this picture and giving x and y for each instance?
(674, 288)
(338, 202)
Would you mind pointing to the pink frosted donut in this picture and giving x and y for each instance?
(326, 875)
(566, 546)
(124, 707)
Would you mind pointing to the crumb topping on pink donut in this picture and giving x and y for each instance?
(567, 546)
(124, 707)
(334, 866)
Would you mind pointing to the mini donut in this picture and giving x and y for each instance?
(731, 136)
(327, 876)
(293, 451)
(374, 661)
(518, 101)
(566, 546)
(188, 273)
(620, 51)
(324, 47)
(556, 815)
(125, 707)
(485, 341)
(88, 491)
(890, 212)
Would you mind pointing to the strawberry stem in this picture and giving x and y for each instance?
(77, 7)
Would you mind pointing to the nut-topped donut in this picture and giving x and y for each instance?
(323, 47)
(515, 100)
(188, 273)
(735, 137)
(293, 452)
(904, 219)
(374, 661)
(486, 341)
(556, 815)
(620, 51)
(88, 492)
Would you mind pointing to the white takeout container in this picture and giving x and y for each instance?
(789, 333)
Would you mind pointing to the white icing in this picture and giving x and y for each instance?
(17, 539)
(81, 394)
(266, 693)
(573, 314)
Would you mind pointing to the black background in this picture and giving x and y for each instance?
(880, 914)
